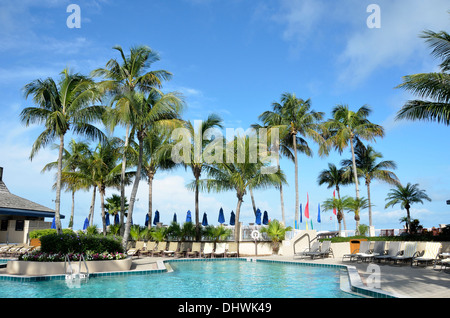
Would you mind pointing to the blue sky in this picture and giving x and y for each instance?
(235, 58)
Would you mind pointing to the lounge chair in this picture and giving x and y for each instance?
(149, 248)
(195, 250)
(407, 254)
(315, 247)
(394, 248)
(171, 249)
(159, 249)
(220, 250)
(325, 250)
(378, 249)
(208, 249)
(444, 262)
(182, 251)
(232, 250)
(363, 248)
(13, 250)
(428, 255)
(4, 249)
(134, 251)
(23, 251)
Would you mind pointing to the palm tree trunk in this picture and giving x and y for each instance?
(370, 205)
(150, 199)
(281, 195)
(355, 173)
(101, 190)
(91, 209)
(408, 218)
(133, 193)
(296, 177)
(58, 186)
(197, 222)
(237, 227)
(253, 200)
(72, 210)
(343, 215)
(122, 180)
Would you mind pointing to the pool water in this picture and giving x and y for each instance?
(202, 279)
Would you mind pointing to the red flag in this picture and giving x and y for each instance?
(307, 207)
(334, 194)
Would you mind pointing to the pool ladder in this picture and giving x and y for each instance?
(70, 275)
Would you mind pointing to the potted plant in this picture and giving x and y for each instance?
(276, 232)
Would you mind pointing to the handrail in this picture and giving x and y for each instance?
(301, 237)
(85, 265)
(67, 260)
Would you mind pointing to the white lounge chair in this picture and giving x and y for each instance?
(232, 250)
(428, 255)
(407, 254)
(363, 248)
(315, 247)
(220, 250)
(394, 248)
(208, 249)
(171, 249)
(378, 249)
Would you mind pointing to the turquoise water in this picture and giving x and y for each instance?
(218, 279)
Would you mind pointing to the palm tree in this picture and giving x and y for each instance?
(62, 106)
(127, 76)
(72, 161)
(295, 116)
(239, 176)
(339, 204)
(356, 205)
(368, 167)
(153, 111)
(432, 86)
(334, 177)
(345, 126)
(405, 196)
(196, 160)
(106, 170)
(156, 156)
(276, 232)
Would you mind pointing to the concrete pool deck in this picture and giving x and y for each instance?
(398, 280)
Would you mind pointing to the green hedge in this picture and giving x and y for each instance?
(39, 233)
(79, 243)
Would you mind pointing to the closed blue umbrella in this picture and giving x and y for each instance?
(174, 218)
(107, 219)
(86, 224)
(232, 218)
(265, 218)
(205, 220)
(318, 214)
(116, 219)
(156, 219)
(258, 217)
(53, 224)
(146, 220)
(188, 216)
(221, 216)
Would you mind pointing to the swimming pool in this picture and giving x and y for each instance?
(196, 279)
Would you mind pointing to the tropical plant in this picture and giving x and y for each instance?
(405, 196)
(217, 233)
(334, 177)
(356, 205)
(239, 175)
(188, 231)
(157, 111)
(345, 126)
(433, 89)
(295, 117)
(195, 159)
(174, 231)
(368, 168)
(127, 76)
(276, 232)
(62, 106)
(72, 161)
(159, 234)
(338, 204)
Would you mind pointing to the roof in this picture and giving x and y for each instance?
(13, 204)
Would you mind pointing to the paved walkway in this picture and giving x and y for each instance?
(399, 280)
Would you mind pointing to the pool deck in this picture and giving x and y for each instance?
(401, 281)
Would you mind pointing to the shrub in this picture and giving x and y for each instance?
(39, 233)
(79, 243)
